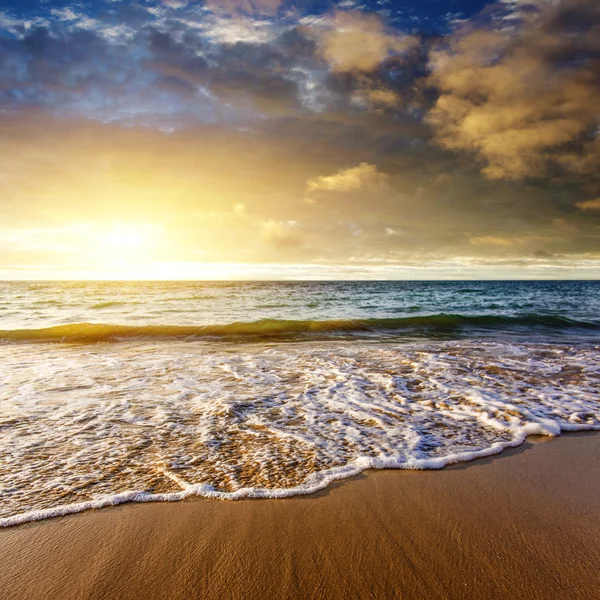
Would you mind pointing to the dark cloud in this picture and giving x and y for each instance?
(42, 63)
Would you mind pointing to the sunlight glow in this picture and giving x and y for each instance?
(125, 242)
(124, 237)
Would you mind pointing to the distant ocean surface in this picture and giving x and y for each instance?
(143, 391)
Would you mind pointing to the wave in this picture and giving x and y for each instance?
(272, 421)
(273, 328)
(112, 304)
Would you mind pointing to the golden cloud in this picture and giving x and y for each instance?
(348, 180)
(281, 233)
(523, 98)
(589, 204)
(490, 240)
(355, 41)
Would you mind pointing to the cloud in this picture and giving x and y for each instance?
(517, 243)
(152, 70)
(65, 14)
(356, 41)
(281, 233)
(589, 204)
(244, 6)
(185, 182)
(158, 67)
(175, 3)
(490, 240)
(239, 210)
(373, 92)
(522, 93)
(238, 135)
(348, 180)
(382, 97)
(564, 225)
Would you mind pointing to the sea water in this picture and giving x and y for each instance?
(113, 392)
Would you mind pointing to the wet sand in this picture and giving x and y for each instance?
(525, 524)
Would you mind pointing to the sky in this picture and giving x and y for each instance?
(307, 139)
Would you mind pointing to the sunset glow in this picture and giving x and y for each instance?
(277, 140)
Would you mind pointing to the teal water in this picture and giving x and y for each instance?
(299, 307)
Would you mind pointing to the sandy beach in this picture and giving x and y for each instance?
(525, 524)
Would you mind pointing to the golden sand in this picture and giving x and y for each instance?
(525, 524)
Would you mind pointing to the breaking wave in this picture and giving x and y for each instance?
(274, 328)
(153, 422)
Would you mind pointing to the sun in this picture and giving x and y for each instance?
(124, 238)
(126, 242)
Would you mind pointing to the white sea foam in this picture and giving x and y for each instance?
(90, 426)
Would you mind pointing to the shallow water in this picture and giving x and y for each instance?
(276, 409)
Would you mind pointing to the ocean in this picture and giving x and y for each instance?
(157, 391)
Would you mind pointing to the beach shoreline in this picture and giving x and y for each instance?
(525, 523)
